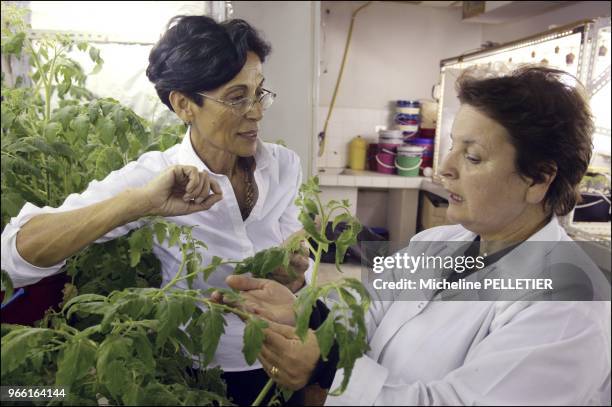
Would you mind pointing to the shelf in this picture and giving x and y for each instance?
(343, 177)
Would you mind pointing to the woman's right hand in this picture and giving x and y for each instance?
(287, 360)
(180, 190)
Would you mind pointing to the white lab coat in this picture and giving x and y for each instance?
(483, 352)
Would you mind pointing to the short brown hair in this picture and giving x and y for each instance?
(548, 118)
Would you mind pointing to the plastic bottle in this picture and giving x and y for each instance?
(357, 153)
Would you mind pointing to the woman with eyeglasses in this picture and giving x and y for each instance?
(238, 191)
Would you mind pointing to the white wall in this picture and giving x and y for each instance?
(395, 53)
(395, 50)
(525, 27)
(290, 70)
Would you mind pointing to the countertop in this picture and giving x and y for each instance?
(344, 177)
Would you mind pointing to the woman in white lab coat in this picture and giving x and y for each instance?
(521, 144)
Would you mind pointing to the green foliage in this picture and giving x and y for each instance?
(213, 325)
(264, 262)
(131, 342)
(253, 339)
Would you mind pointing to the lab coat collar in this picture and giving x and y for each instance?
(521, 262)
(263, 157)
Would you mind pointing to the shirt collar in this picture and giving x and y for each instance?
(552, 232)
(188, 156)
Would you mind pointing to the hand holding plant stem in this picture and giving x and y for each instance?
(346, 322)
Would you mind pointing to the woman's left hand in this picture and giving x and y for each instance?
(299, 265)
(262, 297)
(287, 360)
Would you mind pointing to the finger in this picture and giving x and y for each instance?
(188, 177)
(249, 297)
(195, 181)
(197, 185)
(255, 305)
(205, 205)
(215, 188)
(251, 308)
(206, 189)
(299, 262)
(245, 283)
(277, 334)
(266, 363)
(280, 275)
(271, 356)
(201, 192)
(217, 297)
(210, 201)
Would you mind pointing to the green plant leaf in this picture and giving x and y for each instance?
(212, 326)
(144, 350)
(65, 115)
(93, 112)
(325, 335)
(160, 232)
(52, 131)
(12, 202)
(170, 315)
(94, 54)
(303, 308)
(14, 44)
(80, 125)
(63, 149)
(253, 339)
(83, 298)
(74, 362)
(18, 343)
(106, 130)
(97, 68)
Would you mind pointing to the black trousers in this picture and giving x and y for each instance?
(244, 387)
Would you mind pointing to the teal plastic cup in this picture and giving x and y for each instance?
(408, 160)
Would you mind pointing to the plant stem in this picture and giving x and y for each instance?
(178, 274)
(315, 268)
(195, 273)
(49, 86)
(263, 392)
(235, 311)
(48, 184)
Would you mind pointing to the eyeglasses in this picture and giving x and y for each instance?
(244, 105)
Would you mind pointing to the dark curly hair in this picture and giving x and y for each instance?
(198, 54)
(547, 115)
